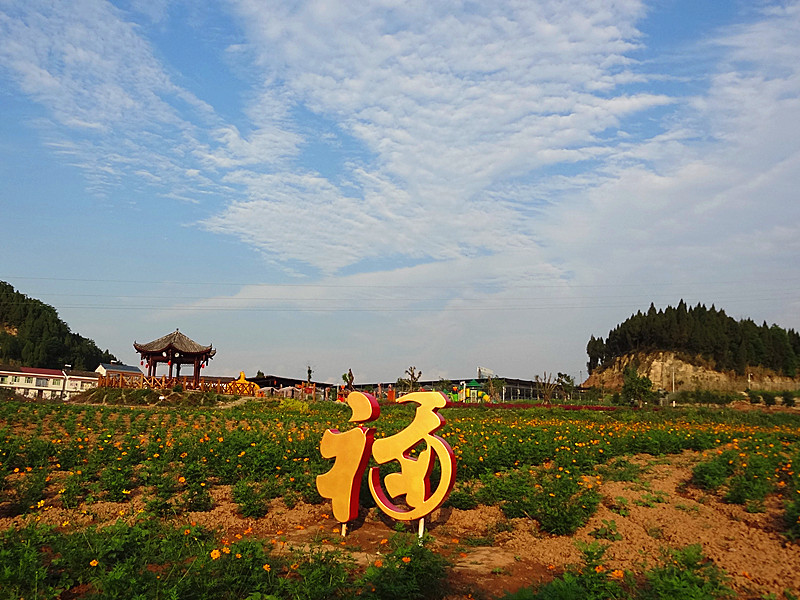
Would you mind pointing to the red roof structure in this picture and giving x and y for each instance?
(175, 349)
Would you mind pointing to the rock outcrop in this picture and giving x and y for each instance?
(670, 372)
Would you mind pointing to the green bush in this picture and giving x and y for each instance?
(557, 499)
(463, 498)
(410, 571)
(768, 398)
(253, 497)
(589, 581)
(711, 474)
(686, 574)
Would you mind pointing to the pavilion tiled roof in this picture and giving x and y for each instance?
(178, 342)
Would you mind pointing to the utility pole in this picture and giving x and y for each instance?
(64, 383)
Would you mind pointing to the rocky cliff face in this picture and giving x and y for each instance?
(669, 372)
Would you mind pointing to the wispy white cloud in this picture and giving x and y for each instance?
(449, 106)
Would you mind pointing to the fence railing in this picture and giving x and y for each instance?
(219, 386)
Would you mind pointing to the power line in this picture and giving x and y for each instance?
(563, 285)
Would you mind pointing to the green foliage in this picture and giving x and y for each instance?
(410, 571)
(462, 497)
(791, 519)
(197, 496)
(686, 574)
(620, 469)
(607, 531)
(649, 499)
(150, 560)
(253, 497)
(537, 463)
(709, 397)
(746, 472)
(42, 339)
(590, 581)
(636, 390)
(711, 474)
(295, 404)
(768, 398)
(117, 482)
(27, 490)
(593, 395)
(683, 574)
(708, 332)
(558, 499)
(620, 505)
(494, 388)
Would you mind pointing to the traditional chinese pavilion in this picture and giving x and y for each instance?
(175, 349)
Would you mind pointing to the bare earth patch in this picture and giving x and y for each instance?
(491, 554)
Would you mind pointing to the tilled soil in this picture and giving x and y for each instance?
(491, 554)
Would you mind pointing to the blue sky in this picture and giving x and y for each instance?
(371, 186)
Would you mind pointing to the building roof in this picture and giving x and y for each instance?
(177, 341)
(31, 370)
(120, 368)
(34, 371)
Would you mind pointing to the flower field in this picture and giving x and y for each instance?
(105, 501)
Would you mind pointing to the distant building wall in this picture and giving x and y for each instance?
(45, 383)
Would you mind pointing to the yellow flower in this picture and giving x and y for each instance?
(267, 568)
(617, 574)
(599, 569)
(94, 563)
(215, 554)
(226, 550)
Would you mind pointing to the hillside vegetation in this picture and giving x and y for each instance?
(699, 334)
(33, 335)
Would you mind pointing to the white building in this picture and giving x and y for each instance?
(108, 369)
(46, 383)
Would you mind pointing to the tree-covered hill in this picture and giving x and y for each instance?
(32, 335)
(699, 331)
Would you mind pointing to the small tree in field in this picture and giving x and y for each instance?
(348, 380)
(635, 390)
(567, 385)
(494, 387)
(413, 377)
(547, 386)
